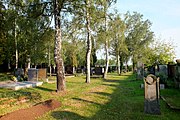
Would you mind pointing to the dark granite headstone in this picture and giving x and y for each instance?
(151, 101)
(171, 70)
(99, 70)
(32, 74)
(70, 69)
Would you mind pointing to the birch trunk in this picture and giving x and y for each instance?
(15, 39)
(58, 48)
(107, 59)
(118, 64)
(89, 43)
(106, 46)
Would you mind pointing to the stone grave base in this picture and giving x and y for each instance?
(21, 85)
(152, 107)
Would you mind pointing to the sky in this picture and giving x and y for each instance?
(164, 15)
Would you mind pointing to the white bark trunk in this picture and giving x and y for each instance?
(16, 54)
(89, 43)
(107, 59)
(118, 64)
(57, 50)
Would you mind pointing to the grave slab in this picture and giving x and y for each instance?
(21, 85)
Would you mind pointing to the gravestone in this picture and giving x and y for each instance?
(42, 74)
(151, 101)
(140, 70)
(99, 70)
(70, 69)
(151, 70)
(162, 73)
(32, 74)
(79, 70)
(177, 76)
(163, 69)
(171, 70)
(19, 72)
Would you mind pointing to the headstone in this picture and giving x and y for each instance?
(70, 69)
(151, 70)
(177, 76)
(171, 70)
(19, 72)
(79, 70)
(92, 70)
(32, 74)
(42, 74)
(140, 70)
(163, 69)
(99, 70)
(151, 101)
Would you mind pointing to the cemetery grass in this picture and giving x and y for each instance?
(117, 97)
(5, 76)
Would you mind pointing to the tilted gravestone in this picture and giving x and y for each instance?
(32, 74)
(151, 101)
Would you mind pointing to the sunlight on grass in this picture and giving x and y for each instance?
(117, 97)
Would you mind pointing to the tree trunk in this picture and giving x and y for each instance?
(89, 43)
(15, 39)
(121, 65)
(106, 46)
(49, 60)
(57, 50)
(118, 64)
(107, 59)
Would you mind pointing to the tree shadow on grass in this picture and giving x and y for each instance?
(125, 103)
(45, 89)
(111, 85)
(79, 99)
(102, 93)
(111, 81)
(64, 115)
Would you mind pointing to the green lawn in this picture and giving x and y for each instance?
(118, 97)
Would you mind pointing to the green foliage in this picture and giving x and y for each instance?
(159, 52)
(138, 34)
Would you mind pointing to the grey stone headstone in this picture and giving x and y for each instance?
(140, 70)
(19, 72)
(32, 74)
(163, 69)
(151, 101)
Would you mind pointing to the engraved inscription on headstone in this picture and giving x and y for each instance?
(151, 102)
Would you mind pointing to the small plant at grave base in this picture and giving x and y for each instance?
(14, 78)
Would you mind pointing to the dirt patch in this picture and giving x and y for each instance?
(33, 112)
